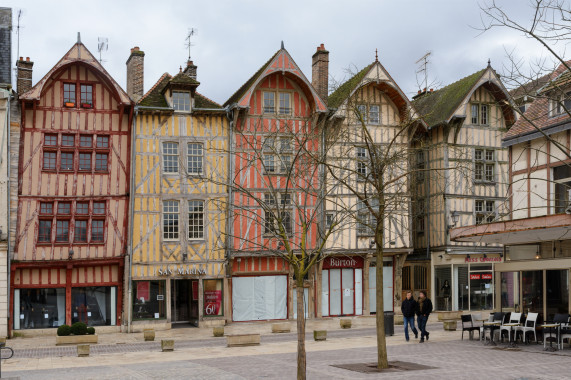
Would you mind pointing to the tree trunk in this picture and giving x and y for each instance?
(398, 282)
(382, 359)
(301, 359)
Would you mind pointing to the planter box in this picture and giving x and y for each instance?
(450, 324)
(149, 335)
(167, 345)
(76, 339)
(83, 350)
(218, 331)
(243, 340)
(319, 334)
(448, 315)
(281, 327)
(345, 323)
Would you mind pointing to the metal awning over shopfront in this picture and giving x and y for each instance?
(518, 231)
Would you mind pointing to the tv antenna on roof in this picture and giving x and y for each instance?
(102, 45)
(423, 61)
(191, 33)
(20, 12)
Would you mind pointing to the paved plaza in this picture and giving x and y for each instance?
(198, 355)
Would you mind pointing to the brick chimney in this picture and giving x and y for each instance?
(190, 69)
(136, 74)
(320, 72)
(24, 80)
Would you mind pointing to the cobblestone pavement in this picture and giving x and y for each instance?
(275, 358)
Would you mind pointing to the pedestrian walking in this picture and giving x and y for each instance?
(423, 311)
(408, 308)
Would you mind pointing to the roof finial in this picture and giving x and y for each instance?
(489, 63)
(180, 69)
(376, 55)
(283, 44)
(78, 37)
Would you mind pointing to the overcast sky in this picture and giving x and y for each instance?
(234, 38)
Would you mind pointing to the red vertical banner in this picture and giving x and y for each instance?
(195, 290)
(212, 297)
(143, 292)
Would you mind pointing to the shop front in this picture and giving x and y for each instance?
(178, 294)
(52, 294)
(342, 286)
(464, 281)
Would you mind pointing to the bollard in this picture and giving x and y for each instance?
(82, 350)
(167, 345)
(319, 335)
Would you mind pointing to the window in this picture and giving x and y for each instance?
(420, 166)
(480, 114)
(80, 233)
(170, 220)
(562, 179)
(361, 154)
(72, 146)
(86, 96)
(285, 105)
(170, 157)
(69, 94)
(195, 154)
(362, 219)
(97, 230)
(49, 160)
(329, 217)
(420, 216)
(374, 114)
(62, 231)
(213, 302)
(39, 308)
(361, 113)
(80, 219)
(269, 102)
(181, 101)
(150, 299)
(269, 164)
(484, 165)
(560, 105)
(195, 220)
(485, 211)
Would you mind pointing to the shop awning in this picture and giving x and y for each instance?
(518, 231)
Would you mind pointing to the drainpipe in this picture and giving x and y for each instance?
(8, 184)
(427, 207)
(230, 201)
(131, 205)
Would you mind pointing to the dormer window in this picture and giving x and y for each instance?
(86, 100)
(69, 94)
(181, 101)
(561, 105)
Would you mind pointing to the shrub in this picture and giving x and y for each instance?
(79, 328)
(90, 330)
(63, 330)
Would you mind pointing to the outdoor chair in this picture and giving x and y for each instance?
(482, 331)
(496, 317)
(529, 325)
(468, 325)
(514, 318)
(565, 333)
(562, 320)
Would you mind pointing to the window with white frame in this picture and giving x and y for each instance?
(285, 103)
(277, 159)
(361, 155)
(365, 221)
(361, 113)
(484, 165)
(195, 220)
(269, 102)
(170, 157)
(374, 116)
(181, 101)
(560, 104)
(485, 211)
(271, 226)
(480, 114)
(329, 218)
(195, 155)
(170, 220)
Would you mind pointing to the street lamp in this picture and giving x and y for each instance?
(454, 216)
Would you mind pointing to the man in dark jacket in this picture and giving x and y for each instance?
(408, 308)
(423, 311)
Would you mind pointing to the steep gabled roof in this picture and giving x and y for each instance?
(439, 106)
(344, 91)
(280, 62)
(78, 54)
(536, 117)
(529, 88)
(154, 97)
(202, 102)
(183, 79)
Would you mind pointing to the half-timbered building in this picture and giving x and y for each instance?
(534, 275)
(370, 112)
(74, 166)
(271, 192)
(179, 202)
(467, 184)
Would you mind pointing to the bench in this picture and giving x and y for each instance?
(240, 340)
(281, 327)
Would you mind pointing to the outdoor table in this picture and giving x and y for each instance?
(550, 326)
(481, 327)
(492, 325)
(511, 326)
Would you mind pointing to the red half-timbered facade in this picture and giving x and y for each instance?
(73, 188)
(274, 112)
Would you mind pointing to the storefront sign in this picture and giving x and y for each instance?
(212, 301)
(483, 276)
(474, 277)
(343, 262)
(487, 276)
(180, 270)
(483, 260)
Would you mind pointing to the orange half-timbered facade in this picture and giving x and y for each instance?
(272, 191)
(73, 188)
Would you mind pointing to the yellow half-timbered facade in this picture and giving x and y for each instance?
(179, 205)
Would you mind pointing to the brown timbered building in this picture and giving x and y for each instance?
(71, 233)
